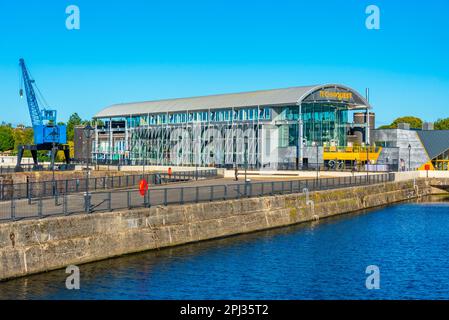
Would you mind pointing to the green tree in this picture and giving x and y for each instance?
(6, 138)
(74, 120)
(23, 136)
(415, 123)
(442, 124)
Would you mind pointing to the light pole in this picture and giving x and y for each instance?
(367, 162)
(53, 156)
(409, 156)
(145, 156)
(317, 161)
(246, 156)
(87, 135)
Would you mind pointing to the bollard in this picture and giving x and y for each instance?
(145, 200)
(56, 199)
(30, 193)
(39, 208)
(28, 187)
(87, 202)
(13, 210)
(109, 199)
(64, 205)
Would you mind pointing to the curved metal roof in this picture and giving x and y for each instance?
(286, 96)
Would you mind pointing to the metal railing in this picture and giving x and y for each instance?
(33, 168)
(66, 204)
(337, 166)
(48, 188)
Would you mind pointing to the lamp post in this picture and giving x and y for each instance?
(246, 155)
(367, 162)
(145, 157)
(53, 156)
(409, 156)
(317, 161)
(87, 134)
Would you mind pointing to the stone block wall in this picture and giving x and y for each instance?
(34, 246)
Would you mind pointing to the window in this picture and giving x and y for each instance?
(242, 114)
(227, 115)
(143, 120)
(267, 113)
(161, 118)
(204, 116)
(283, 136)
(178, 118)
(250, 114)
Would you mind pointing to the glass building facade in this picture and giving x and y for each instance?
(255, 129)
(441, 162)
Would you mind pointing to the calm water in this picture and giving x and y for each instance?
(408, 242)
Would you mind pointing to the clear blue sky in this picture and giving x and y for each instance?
(142, 50)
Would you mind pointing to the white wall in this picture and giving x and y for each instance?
(12, 160)
(401, 176)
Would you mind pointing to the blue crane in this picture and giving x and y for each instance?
(48, 135)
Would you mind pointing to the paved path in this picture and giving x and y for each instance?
(177, 193)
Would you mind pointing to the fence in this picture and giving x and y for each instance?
(332, 165)
(127, 199)
(48, 188)
(33, 167)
